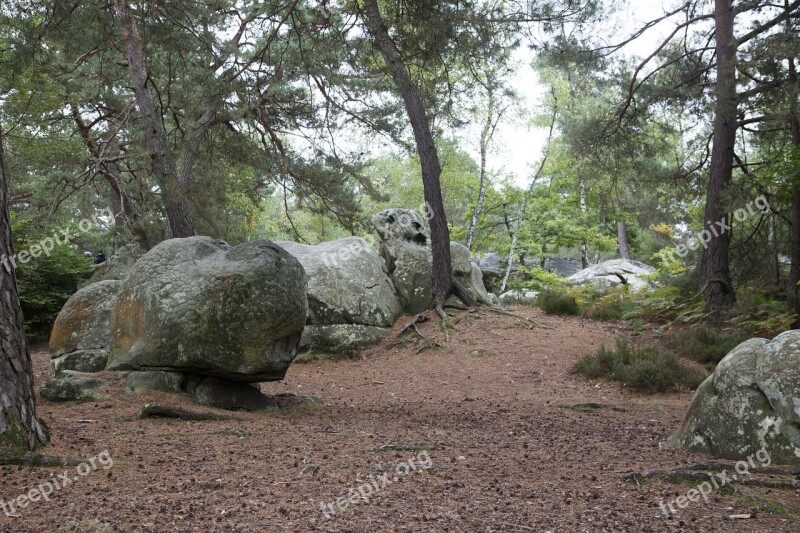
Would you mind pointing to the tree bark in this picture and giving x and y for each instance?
(443, 283)
(715, 266)
(165, 171)
(622, 239)
(486, 136)
(793, 291)
(19, 426)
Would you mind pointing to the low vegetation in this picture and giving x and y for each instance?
(556, 302)
(645, 370)
(703, 344)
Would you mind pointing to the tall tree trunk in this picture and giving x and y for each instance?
(622, 240)
(443, 283)
(165, 172)
(20, 429)
(718, 286)
(584, 208)
(486, 136)
(794, 271)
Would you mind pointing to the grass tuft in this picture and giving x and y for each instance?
(557, 303)
(645, 370)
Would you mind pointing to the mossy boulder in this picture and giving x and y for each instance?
(199, 305)
(750, 402)
(73, 389)
(82, 331)
(405, 245)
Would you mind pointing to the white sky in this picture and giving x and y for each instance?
(518, 148)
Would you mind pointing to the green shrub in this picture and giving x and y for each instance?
(703, 344)
(46, 282)
(645, 370)
(557, 302)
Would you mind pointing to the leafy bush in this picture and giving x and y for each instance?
(538, 279)
(46, 282)
(557, 302)
(645, 370)
(703, 344)
(614, 307)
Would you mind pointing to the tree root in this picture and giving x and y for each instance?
(412, 326)
(531, 322)
(27, 458)
(716, 472)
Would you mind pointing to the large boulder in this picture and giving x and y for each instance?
(751, 402)
(351, 300)
(406, 249)
(82, 331)
(198, 305)
(614, 272)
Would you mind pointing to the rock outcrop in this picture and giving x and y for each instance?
(614, 272)
(82, 331)
(751, 402)
(406, 248)
(198, 305)
(351, 300)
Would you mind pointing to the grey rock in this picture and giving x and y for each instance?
(82, 331)
(73, 389)
(563, 266)
(519, 298)
(341, 338)
(750, 403)
(405, 247)
(613, 272)
(229, 395)
(137, 382)
(347, 283)
(198, 305)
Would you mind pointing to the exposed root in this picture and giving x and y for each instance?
(35, 459)
(531, 322)
(420, 318)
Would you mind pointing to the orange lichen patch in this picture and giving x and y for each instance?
(127, 321)
(75, 317)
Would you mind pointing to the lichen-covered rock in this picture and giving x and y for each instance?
(198, 305)
(82, 331)
(73, 389)
(158, 380)
(341, 338)
(751, 402)
(406, 249)
(614, 272)
(519, 297)
(228, 395)
(347, 283)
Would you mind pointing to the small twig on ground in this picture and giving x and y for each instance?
(530, 321)
(420, 318)
(35, 459)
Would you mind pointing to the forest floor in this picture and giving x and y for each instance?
(489, 432)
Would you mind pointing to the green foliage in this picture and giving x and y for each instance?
(761, 313)
(703, 344)
(556, 302)
(539, 279)
(644, 370)
(46, 282)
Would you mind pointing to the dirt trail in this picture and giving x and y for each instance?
(513, 446)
